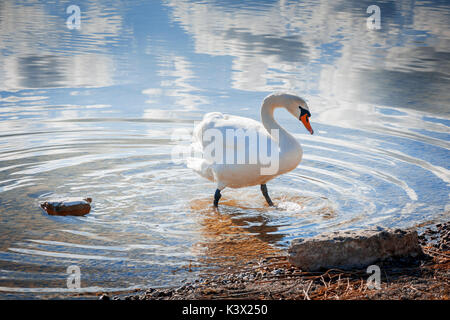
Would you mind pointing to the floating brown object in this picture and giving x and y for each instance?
(68, 207)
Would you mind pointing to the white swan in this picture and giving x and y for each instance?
(216, 143)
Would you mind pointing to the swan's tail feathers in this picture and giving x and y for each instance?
(208, 122)
(201, 167)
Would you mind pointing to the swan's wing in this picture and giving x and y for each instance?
(241, 140)
(224, 124)
(197, 163)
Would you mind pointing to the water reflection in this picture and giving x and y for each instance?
(40, 52)
(177, 74)
(92, 112)
(243, 230)
(231, 235)
(329, 49)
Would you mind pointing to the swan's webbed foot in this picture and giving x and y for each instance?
(266, 195)
(217, 196)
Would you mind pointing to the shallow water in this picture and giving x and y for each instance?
(97, 112)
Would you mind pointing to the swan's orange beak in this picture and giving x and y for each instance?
(305, 120)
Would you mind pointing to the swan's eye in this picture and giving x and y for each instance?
(304, 111)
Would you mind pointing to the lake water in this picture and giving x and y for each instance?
(95, 112)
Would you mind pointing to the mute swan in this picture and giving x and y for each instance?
(224, 170)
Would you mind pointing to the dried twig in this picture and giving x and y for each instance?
(307, 290)
(437, 253)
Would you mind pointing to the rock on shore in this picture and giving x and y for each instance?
(273, 277)
(352, 249)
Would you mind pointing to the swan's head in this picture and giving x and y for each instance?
(299, 109)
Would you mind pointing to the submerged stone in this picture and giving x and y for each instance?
(68, 207)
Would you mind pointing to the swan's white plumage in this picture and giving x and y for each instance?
(237, 175)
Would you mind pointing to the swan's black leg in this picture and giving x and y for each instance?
(217, 196)
(266, 194)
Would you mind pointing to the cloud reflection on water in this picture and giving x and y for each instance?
(40, 52)
(114, 92)
(325, 47)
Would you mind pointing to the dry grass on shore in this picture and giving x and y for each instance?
(422, 278)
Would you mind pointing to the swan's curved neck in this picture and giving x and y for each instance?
(267, 110)
(290, 150)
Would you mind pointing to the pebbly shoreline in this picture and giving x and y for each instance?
(425, 277)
